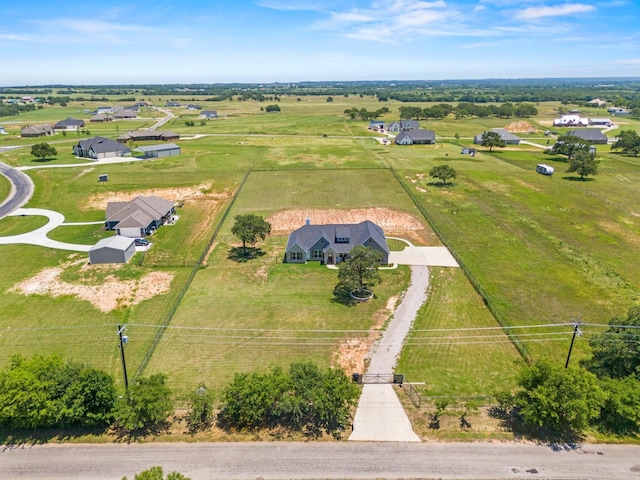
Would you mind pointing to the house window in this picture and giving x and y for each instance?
(295, 256)
(317, 254)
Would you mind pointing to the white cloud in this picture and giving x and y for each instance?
(630, 61)
(533, 13)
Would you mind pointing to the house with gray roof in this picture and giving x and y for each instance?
(507, 137)
(69, 123)
(114, 249)
(416, 137)
(101, 118)
(159, 151)
(138, 217)
(100, 147)
(330, 244)
(403, 126)
(125, 114)
(208, 114)
(148, 135)
(32, 131)
(590, 135)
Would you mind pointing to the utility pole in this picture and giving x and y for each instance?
(576, 331)
(123, 341)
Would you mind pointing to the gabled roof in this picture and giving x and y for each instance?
(418, 135)
(116, 242)
(153, 206)
(307, 236)
(588, 134)
(156, 148)
(138, 218)
(102, 145)
(70, 122)
(36, 129)
(506, 135)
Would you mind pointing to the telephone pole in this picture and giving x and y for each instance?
(123, 342)
(576, 331)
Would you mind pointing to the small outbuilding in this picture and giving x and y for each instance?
(159, 151)
(116, 249)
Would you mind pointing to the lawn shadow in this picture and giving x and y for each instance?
(42, 160)
(16, 438)
(134, 436)
(578, 179)
(440, 184)
(244, 254)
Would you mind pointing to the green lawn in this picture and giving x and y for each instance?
(17, 225)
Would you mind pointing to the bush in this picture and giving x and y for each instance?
(145, 405)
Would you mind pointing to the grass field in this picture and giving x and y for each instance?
(543, 250)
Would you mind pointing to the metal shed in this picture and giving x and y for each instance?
(159, 151)
(114, 249)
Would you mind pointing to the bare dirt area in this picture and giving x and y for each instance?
(352, 353)
(99, 201)
(389, 220)
(106, 296)
(520, 127)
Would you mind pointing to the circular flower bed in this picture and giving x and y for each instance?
(361, 295)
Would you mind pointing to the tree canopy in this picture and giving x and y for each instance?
(569, 145)
(628, 142)
(147, 403)
(443, 172)
(583, 163)
(249, 228)
(360, 269)
(43, 151)
(492, 139)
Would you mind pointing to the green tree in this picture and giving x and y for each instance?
(272, 108)
(492, 139)
(628, 142)
(156, 473)
(329, 99)
(557, 399)
(249, 228)
(43, 151)
(146, 404)
(620, 412)
(443, 172)
(616, 353)
(583, 163)
(569, 145)
(360, 269)
(200, 415)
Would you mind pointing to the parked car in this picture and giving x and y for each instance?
(140, 242)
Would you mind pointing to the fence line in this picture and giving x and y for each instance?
(506, 328)
(167, 320)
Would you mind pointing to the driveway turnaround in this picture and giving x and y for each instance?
(39, 235)
(429, 256)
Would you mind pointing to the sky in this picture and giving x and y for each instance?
(93, 42)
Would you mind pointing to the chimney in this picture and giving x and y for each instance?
(308, 221)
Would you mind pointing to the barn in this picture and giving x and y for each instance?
(114, 249)
(159, 151)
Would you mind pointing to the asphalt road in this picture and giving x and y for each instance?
(21, 191)
(339, 460)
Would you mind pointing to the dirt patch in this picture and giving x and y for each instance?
(99, 201)
(352, 353)
(108, 295)
(389, 220)
(520, 127)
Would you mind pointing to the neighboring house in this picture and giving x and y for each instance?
(125, 114)
(100, 147)
(172, 104)
(37, 131)
(331, 244)
(571, 120)
(193, 106)
(605, 122)
(619, 112)
(139, 105)
(590, 135)
(416, 137)
(597, 102)
(403, 126)
(208, 114)
(100, 110)
(3, 131)
(159, 151)
(148, 135)
(139, 217)
(101, 117)
(507, 137)
(112, 250)
(376, 125)
(69, 123)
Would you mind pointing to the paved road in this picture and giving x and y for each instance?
(339, 460)
(21, 190)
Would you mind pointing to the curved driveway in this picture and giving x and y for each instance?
(21, 189)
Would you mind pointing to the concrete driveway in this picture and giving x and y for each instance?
(427, 256)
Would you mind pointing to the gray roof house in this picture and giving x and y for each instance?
(507, 137)
(331, 243)
(403, 126)
(69, 123)
(125, 114)
(208, 114)
(159, 151)
(101, 117)
(416, 137)
(112, 250)
(100, 147)
(590, 135)
(37, 131)
(138, 217)
(148, 135)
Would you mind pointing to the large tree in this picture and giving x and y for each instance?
(628, 142)
(249, 228)
(616, 352)
(569, 145)
(146, 403)
(583, 163)
(492, 139)
(43, 151)
(360, 269)
(443, 172)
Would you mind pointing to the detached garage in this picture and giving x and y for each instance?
(159, 151)
(114, 249)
